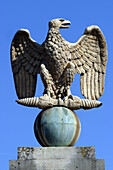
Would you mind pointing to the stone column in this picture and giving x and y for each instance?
(56, 158)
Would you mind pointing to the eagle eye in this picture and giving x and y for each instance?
(61, 20)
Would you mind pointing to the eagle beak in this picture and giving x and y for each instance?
(65, 24)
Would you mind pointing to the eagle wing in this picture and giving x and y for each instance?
(26, 57)
(89, 54)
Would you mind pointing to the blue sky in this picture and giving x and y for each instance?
(16, 122)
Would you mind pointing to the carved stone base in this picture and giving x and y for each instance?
(72, 102)
(60, 158)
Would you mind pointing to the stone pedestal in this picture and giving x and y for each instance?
(57, 158)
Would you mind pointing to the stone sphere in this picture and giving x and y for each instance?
(57, 126)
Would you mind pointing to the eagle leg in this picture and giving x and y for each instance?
(66, 80)
(47, 81)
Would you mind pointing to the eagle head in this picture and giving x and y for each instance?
(59, 23)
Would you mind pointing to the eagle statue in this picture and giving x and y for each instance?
(57, 61)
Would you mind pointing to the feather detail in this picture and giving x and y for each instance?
(92, 63)
(24, 63)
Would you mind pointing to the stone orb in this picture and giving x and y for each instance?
(57, 126)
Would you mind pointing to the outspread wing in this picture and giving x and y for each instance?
(26, 56)
(89, 54)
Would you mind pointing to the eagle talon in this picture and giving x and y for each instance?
(45, 95)
(68, 91)
(71, 97)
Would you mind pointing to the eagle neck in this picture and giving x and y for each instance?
(53, 32)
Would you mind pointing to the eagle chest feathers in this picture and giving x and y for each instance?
(57, 53)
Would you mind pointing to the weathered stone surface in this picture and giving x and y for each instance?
(60, 158)
(55, 152)
(57, 164)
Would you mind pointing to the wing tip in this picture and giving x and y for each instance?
(90, 28)
(22, 30)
